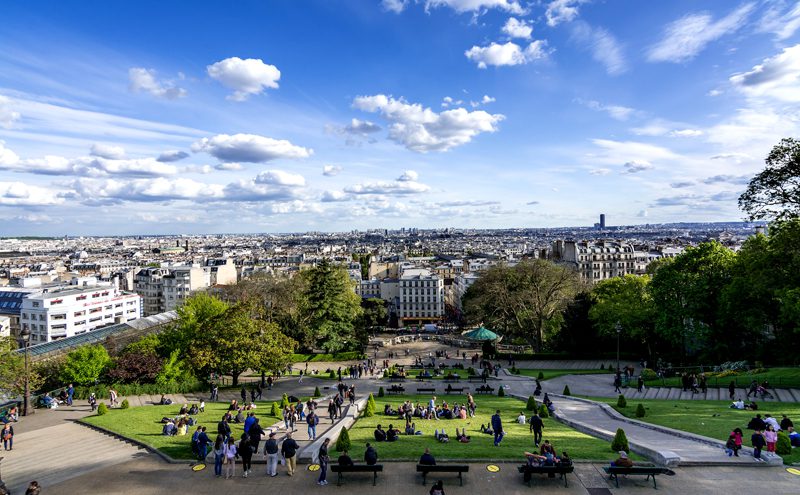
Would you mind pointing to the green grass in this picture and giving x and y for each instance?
(411, 375)
(710, 418)
(777, 377)
(550, 374)
(318, 358)
(518, 439)
(144, 424)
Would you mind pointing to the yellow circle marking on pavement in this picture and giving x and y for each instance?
(198, 467)
(313, 467)
(493, 468)
(794, 471)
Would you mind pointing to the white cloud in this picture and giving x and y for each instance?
(408, 176)
(107, 151)
(246, 77)
(7, 115)
(686, 133)
(295, 206)
(361, 127)
(462, 6)
(388, 188)
(508, 53)
(603, 46)
(21, 194)
(104, 191)
(617, 112)
(280, 178)
(615, 152)
(518, 29)
(331, 170)
(395, 6)
(635, 166)
(91, 166)
(488, 99)
(172, 156)
(714, 92)
(144, 80)
(782, 23)
(197, 169)
(423, 130)
(249, 148)
(599, 171)
(559, 11)
(229, 166)
(776, 77)
(686, 37)
(7, 157)
(334, 196)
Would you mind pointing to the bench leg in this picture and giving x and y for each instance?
(374, 478)
(339, 479)
(654, 482)
(424, 475)
(460, 479)
(564, 475)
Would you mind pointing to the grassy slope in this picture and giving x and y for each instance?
(778, 377)
(549, 374)
(518, 438)
(144, 424)
(709, 418)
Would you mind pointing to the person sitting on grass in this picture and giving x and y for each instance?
(410, 428)
(380, 434)
(392, 434)
(169, 429)
(622, 460)
(345, 460)
(487, 429)
(752, 406)
(521, 418)
(233, 406)
(738, 404)
(239, 418)
(184, 410)
(194, 410)
(427, 458)
(441, 437)
(387, 410)
(462, 437)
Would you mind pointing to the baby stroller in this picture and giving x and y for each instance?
(763, 393)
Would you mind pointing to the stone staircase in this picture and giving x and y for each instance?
(669, 393)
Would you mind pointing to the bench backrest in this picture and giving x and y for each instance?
(356, 467)
(443, 468)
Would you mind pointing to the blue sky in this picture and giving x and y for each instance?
(151, 117)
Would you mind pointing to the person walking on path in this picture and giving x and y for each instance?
(617, 383)
(202, 444)
(323, 459)
(219, 455)
(255, 433)
(245, 451)
(70, 394)
(243, 393)
(312, 421)
(497, 426)
(640, 384)
(271, 451)
(8, 437)
(33, 488)
(332, 411)
(230, 458)
(536, 428)
(732, 389)
(112, 395)
(289, 451)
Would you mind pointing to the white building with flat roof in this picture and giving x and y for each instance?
(421, 297)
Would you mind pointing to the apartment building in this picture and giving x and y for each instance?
(421, 297)
(56, 313)
(164, 289)
(596, 261)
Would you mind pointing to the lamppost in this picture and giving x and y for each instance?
(25, 335)
(619, 331)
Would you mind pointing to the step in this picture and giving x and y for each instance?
(795, 393)
(650, 393)
(784, 395)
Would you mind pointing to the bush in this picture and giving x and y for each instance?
(566, 390)
(543, 412)
(640, 412)
(501, 392)
(620, 441)
(540, 376)
(102, 409)
(621, 402)
(381, 393)
(648, 374)
(602, 366)
(85, 365)
(332, 374)
(369, 409)
(135, 367)
(316, 392)
(130, 389)
(531, 406)
(471, 371)
(784, 445)
(343, 442)
(276, 410)
(125, 404)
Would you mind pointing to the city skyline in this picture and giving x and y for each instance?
(334, 116)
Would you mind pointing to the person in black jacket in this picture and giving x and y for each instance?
(246, 453)
(759, 442)
(289, 451)
(255, 433)
(786, 423)
(427, 458)
(536, 428)
(345, 460)
(271, 451)
(757, 424)
(371, 455)
(224, 429)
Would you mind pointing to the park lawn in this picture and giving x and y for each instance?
(518, 439)
(550, 374)
(321, 358)
(143, 424)
(777, 377)
(710, 418)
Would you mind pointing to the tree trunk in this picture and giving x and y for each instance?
(235, 378)
(263, 378)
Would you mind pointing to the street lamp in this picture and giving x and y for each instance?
(25, 335)
(619, 331)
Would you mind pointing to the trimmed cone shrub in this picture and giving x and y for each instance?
(501, 392)
(566, 390)
(125, 404)
(543, 412)
(102, 409)
(602, 366)
(640, 412)
(369, 410)
(784, 445)
(284, 401)
(531, 404)
(621, 402)
(620, 441)
(540, 376)
(276, 410)
(332, 374)
(316, 392)
(343, 442)
(381, 393)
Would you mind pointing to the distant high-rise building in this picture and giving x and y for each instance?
(602, 220)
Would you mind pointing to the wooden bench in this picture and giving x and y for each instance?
(528, 471)
(442, 468)
(452, 379)
(430, 390)
(394, 389)
(475, 379)
(484, 390)
(451, 390)
(357, 468)
(397, 378)
(421, 378)
(613, 472)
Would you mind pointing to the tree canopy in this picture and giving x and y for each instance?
(625, 301)
(330, 307)
(774, 193)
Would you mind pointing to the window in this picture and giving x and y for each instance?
(24, 316)
(79, 313)
(82, 322)
(95, 295)
(81, 297)
(95, 310)
(35, 304)
(59, 327)
(61, 316)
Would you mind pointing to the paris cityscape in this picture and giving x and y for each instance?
(427, 245)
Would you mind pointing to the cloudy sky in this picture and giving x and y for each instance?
(148, 117)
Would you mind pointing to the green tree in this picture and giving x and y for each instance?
(625, 300)
(174, 370)
(135, 367)
(374, 312)
(331, 308)
(525, 300)
(85, 365)
(149, 344)
(640, 412)
(12, 370)
(531, 405)
(774, 193)
(194, 317)
(343, 442)
(620, 442)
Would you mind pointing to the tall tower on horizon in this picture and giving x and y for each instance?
(602, 220)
